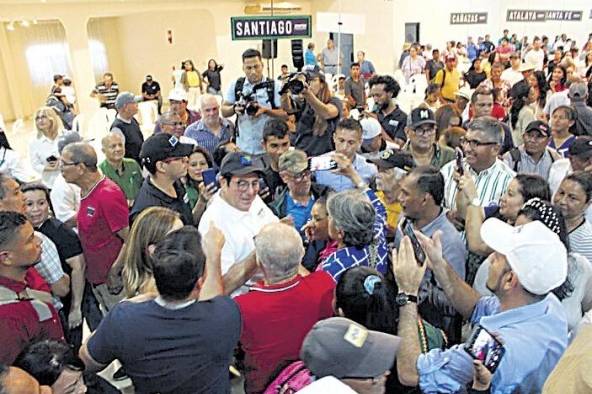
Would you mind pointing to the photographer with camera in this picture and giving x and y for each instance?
(318, 117)
(254, 99)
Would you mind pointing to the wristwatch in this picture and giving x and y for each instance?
(403, 299)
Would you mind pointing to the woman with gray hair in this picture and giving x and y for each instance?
(357, 221)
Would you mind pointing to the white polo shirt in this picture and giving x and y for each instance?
(239, 227)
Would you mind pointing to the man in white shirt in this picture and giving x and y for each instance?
(513, 74)
(239, 212)
(65, 197)
(536, 55)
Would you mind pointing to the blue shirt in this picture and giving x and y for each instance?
(250, 128)
(342, 259)
(205, 138)
(300, 213)
(563, 150)
(339, 182)
(534, 337)
(309, 58)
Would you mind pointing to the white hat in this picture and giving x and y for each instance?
(534, 252)
(370, 128)
(527, 67)
(464, 92)
(178, 95)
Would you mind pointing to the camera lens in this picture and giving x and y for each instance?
(296, 87)
(251, 109)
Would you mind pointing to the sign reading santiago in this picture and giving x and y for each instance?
(270, 27)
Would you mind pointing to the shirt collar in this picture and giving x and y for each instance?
(549, 305)
(276, 288)
(485, 172)
(434, 224)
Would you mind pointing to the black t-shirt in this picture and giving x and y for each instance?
(434, 66)
(394, 123)
(213, 78)
(474, 78)
(150, 196)
(151, 89)
(184, 350)
(304, 139)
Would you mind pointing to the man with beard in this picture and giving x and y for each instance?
(393, 120)
(534, 157)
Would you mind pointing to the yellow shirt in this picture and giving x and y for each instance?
(451, 83)
(393, 211)
(193, 79)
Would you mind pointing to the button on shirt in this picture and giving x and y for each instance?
(534, 336)
(491, 183)
(200, 133)
(250, 128)
(339, 182)
(342, 259)
(527, 165)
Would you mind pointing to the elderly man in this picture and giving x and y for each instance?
(65, 197)
(421, 194)
(422, 140)
(22, 320)
(178, 104)
(348, 141)
(212, 129)
(297, 196)
(171, 123)
(102, 222)
(529, 261)
(239, 212)
(271, 333)
(165, 158)
(126, 173)
(127, 126)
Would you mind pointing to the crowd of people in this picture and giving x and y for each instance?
(307, 234)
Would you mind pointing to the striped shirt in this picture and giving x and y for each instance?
(527, 165)
(109, 93)
(342, 259)
(205, 138)
(491, 183)
(580, 240)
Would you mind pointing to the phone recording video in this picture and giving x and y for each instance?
(321, 163)
(459, 161)
(483, 346)
(209, 177)
(418, 251)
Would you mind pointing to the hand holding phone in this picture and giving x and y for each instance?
(485, 347)
(418, 251)
(209, 177)
(459, 161)
(321, 163)
(51, 158)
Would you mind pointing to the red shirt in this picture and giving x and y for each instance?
(103, 212)
(19, 322)
(275, 320)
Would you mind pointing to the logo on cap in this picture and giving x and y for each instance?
(356, 335)
(424, 114)
(173, 141)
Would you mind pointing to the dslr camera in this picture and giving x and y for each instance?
(249, 103)
(294, 84)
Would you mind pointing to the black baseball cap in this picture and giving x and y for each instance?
(162, 146)
(239, 163)
(391, 158)
(421, 116)
(540, 126)
(582, 146)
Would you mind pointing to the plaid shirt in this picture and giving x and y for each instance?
(49, 267)
(342, 259)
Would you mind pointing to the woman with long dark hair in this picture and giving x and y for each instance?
(213, 78)
(521, 113)
(476, 74)
(540, 87)
(557, 79)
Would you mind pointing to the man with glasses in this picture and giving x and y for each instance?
(102, 222)
(422, 140)
(165, 158)
(212, 129)
(178, 104)
(299, 194)
(481, 145)
(239, 212)
(533, 157)
(171, 123)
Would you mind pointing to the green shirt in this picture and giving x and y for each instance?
(442, 155)
(129, 181)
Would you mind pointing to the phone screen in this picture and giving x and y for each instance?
(321, 163)
(459, 161)
(485, 347)
(420, 255)
(209, 176)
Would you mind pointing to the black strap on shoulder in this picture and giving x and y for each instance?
(515, 155)
(270, 88)
(238, 88)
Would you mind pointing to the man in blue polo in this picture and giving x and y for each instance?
(528, 262)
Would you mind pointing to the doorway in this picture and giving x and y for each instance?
(347, 49)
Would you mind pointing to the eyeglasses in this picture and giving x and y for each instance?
(424, 131)
(175, 124)
(300, 176)
(475, 143)
(63, 163)
(39, 117)
(243, 185)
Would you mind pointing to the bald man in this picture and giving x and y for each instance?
(126, 173)
(102, 222)
(211, 129)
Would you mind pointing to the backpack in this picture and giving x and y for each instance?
(290, 380)
(516, 158)
(269, 87)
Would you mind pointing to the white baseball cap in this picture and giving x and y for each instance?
(178, 95)
(534, 252)
(370, 128)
